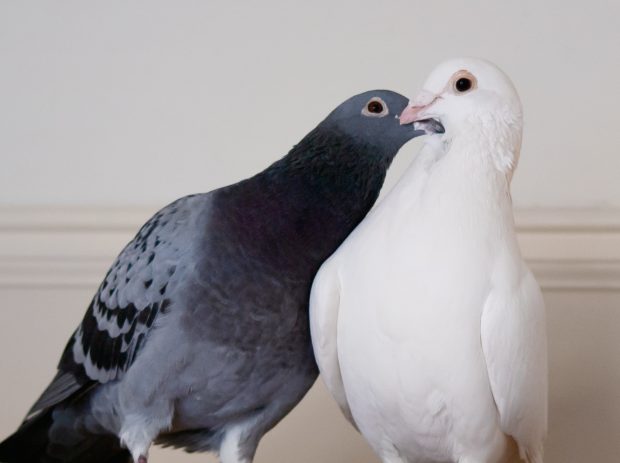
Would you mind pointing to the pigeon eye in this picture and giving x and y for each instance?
(376, 107)
(463, 84)
(463, 81)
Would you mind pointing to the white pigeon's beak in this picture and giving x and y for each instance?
(417, 108)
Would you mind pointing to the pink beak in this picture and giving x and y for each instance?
(415, 110)
(411, 114)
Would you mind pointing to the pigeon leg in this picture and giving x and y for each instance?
(393, 459)
(138, 444)
(230, 451)
(140, 430)
(392, 456)
(138, 441)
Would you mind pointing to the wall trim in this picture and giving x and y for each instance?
(59, 247)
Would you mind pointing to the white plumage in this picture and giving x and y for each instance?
(428, 327)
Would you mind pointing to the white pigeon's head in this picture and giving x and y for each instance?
(475, 100)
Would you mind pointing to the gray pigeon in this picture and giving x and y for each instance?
(198, 336)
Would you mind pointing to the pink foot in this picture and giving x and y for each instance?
(142, 459)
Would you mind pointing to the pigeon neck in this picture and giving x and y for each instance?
(329, 167)
(461, 183)
(489, 140)
(308, 202)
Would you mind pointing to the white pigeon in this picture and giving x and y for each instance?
(428, 327)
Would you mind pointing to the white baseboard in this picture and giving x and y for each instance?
(73, 246)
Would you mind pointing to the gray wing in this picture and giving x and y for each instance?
(133, 298)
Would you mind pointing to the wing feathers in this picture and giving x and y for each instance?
(135, 292)
(61, 387)
(108, 340)
(324, 307)
(513, 335)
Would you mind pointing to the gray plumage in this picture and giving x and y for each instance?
(198, 335)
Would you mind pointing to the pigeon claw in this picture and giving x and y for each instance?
(142, 459)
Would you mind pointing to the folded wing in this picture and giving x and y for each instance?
(515, 348)
(324, 308)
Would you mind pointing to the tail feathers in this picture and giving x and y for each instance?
(31, 443)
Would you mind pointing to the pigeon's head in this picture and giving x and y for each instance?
(473, 100)
(371, 118)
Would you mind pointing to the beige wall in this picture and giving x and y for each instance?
(140, 102)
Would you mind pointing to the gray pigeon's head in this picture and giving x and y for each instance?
(372, 118)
